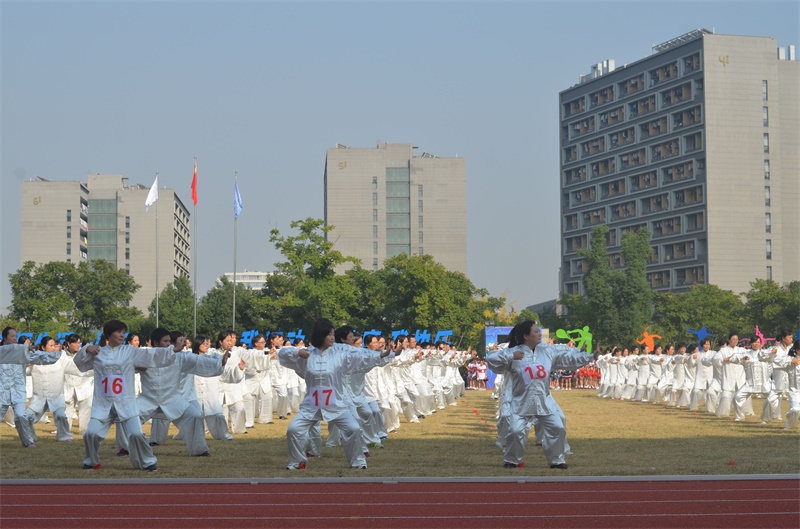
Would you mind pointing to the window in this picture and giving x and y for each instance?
(69, 215)
(127, 222)
(765, 116)
(420, 222)
(769, 273)
(769, 250)
(375, 231)
(374, 264)
(767, 195)
(421, 251)
(374, 247)
(764, 90)
(69, 232)
(69, 248)
(420, 206)
(127, 237)
(766, 169)
(420, 238)
(766, 142)
(127, 253)
(374, 182)
(419, 190)
(768, 222)
(127, 269)
(374, 215)
(374, 199)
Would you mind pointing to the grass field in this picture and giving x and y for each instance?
(608, 438)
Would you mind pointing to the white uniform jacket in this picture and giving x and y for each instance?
(76, 383)
(530, 377)
(12, 374)
(48, 385)
(324, 373)
(162, 386)
(114, 369)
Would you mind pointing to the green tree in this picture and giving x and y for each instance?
(102, 293)
(773, 307)
(175, 306)
(42, 296)
(423, 294)
(215, 309)
(599, 283)
(720, 311)
(633, 296)
(306, 284)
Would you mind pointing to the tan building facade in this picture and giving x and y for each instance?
(699, 143)
(389, 200)
(108, 221)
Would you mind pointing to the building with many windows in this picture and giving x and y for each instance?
(105, 218)
(249, 279)
(699, 143)
(389, 200)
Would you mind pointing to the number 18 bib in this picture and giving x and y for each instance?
(533, 372)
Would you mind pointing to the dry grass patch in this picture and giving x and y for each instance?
(607, 438)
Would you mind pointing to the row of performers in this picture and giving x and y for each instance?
(197, 388)
(724, 380)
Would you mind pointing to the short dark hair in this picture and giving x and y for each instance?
(113, 326)
(322, 328)
(342, 332)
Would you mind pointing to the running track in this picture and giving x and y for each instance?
(655, 502)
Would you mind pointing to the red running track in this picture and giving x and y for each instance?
(619, 504)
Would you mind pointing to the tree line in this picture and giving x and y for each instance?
(409, 292)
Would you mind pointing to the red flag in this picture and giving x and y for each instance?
(194, 184)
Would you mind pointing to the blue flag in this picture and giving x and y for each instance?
(237, 200)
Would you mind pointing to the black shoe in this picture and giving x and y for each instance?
(153, 443)
(420, 416)
(562, 466)
(122, 453)
(151, 468)
(90, 467)
(204, 454)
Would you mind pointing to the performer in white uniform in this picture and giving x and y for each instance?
(729, 360)
(114, 397)
(48, 391)
(703, 375)
(777, 353)
(323, 366)
(162, 393)
(791, 364)
(526, 365)
(259, 383)
(209, 394)
(78, 387)
(12, 380)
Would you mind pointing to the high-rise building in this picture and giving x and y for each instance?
(388, 200)
(106, 219)
(698, 142)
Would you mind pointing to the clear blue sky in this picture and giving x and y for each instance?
(264, 88)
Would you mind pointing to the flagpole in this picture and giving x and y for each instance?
(194, 247)
(157, 256)
(235, 218)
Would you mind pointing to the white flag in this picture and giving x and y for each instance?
(152, 196)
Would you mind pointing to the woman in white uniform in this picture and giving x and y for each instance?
(48, 391)
(322, 366)
(114, 365)
(78, 387)
(13, 393)
(527, 365)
